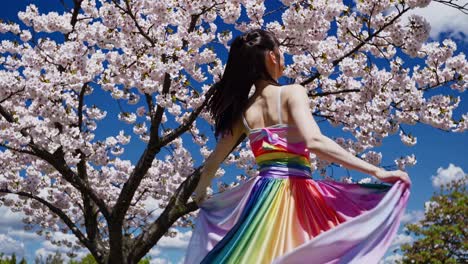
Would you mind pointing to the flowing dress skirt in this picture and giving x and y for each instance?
(272, 219)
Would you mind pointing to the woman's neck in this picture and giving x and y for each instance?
(261, 84)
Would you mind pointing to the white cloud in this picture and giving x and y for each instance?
(21, 234)
(412, 216)
(447, 175)
(180, 241)
(11, 224)
(391, 259)
(159, 261)
(443, 19)
(152, 205)
(169, 248)
(45, 252)
(156, 257)
(10, 220)
(399, 240)
(47, 248)
(8, 246)
(13, 238)
(154, 252)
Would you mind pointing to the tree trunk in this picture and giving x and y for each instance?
(116, 252)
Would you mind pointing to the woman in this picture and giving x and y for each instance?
(283, 215)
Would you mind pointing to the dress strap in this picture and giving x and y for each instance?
(245, 122)
(279, 105)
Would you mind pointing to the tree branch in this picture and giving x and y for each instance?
(176, 208)
(462, 8)
(360, 45)
(57, 160)
(80, 106)
(12, 94)
(97, 250)
(7, 115)
(76, 11)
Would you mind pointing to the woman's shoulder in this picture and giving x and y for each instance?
(293, 90)
(293, 86)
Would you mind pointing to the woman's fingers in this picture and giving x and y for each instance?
(408, 180)
(394, 176)
(198, 199)
(405, 177)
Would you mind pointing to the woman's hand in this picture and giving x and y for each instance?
(393, 176)
(199, 196)
(199, 199)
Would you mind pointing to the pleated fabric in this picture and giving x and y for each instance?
(285, 216)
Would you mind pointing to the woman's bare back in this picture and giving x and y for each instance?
(264, 110)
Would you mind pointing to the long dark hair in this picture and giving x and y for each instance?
(245, 65)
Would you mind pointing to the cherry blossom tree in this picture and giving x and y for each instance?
(442, 234)
(156, 60)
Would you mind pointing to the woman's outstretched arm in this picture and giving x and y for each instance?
(224, 146)
(326, 148)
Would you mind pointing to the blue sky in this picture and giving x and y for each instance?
(438, 153)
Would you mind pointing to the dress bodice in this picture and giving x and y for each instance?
(273, 152)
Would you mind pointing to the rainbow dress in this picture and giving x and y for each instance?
(283, 215)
